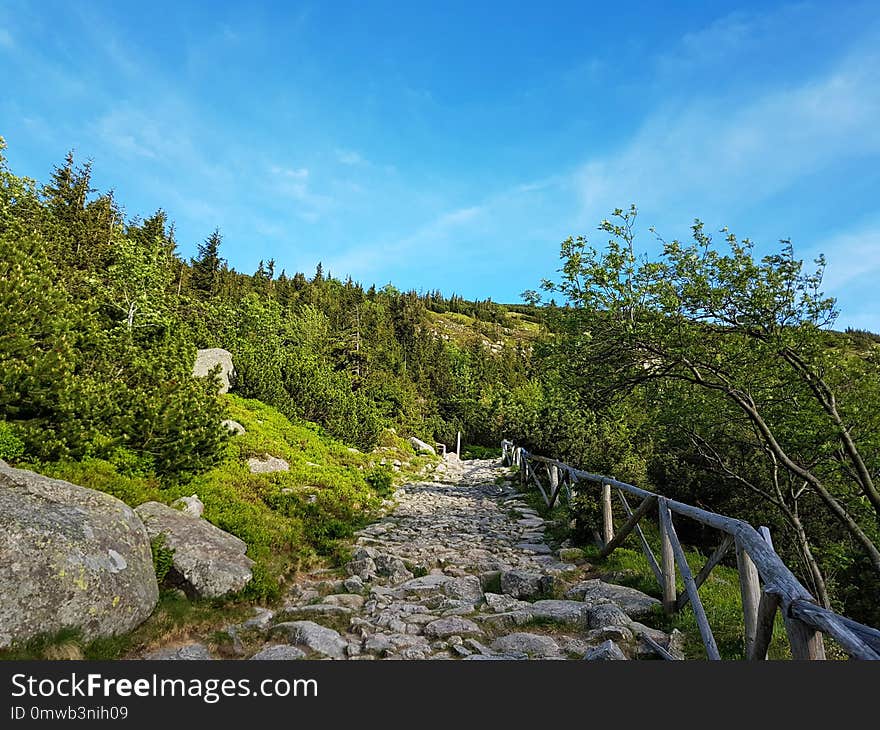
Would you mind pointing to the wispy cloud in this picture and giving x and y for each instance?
(854, 255)
(6, 40)
(349, 157)
(722, 153)
(295, 184)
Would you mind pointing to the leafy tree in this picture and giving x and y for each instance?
(750, 334)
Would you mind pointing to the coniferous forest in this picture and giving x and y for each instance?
(707, 373)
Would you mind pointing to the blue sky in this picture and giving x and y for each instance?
(454, 145)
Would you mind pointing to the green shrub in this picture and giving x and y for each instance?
(11, 446)
(381, 480)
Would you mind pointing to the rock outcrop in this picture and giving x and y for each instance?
(207, 562)
(69, 557)
(207, 360)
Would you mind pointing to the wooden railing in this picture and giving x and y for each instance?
(766, 584)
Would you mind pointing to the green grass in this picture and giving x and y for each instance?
(290, 520)
(176, 619)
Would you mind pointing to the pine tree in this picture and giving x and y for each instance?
(207, 266)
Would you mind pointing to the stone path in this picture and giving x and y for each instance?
(459, 570)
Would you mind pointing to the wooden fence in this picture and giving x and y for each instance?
(766, 584)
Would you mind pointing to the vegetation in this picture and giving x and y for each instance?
(705, 373)
(715, 378)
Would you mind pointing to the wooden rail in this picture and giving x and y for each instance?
(766, 584)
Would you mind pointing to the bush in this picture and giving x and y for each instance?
(11, 446)
(381, 480)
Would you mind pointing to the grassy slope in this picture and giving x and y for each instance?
(462, 329)
(289, 520)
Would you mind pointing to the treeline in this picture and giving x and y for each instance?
(100, 319)
(707, 373)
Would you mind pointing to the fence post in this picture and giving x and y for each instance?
(458, 445)
(554, 483)
(667, 561)
(607, 517)
(750, 590)
(767, 608)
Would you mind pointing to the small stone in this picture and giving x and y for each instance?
(363, 568)
(450, 626)
(521, 583)
(606, 651)
(378, 644)
(466, 588)
(313, 636)
(535, 645)
(348, 600)
(191, 505)
(267, 464)
(234, 427)
(279, 652)
(188, 652)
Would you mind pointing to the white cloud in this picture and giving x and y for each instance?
(294, 184)
(717, 154)
(349, 157)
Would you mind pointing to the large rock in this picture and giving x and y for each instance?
(69, 557)
(208, 562)
(421, 447)
(424, 586)
(208, 359)
(632, 602)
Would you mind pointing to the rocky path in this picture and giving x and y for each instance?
(460, 569)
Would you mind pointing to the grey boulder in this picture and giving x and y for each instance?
(442, 628)
(534, 645)
(191, 505)
(207, 562)
(313, 636)
(606, 651)
(69, 557)
(207, 360)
